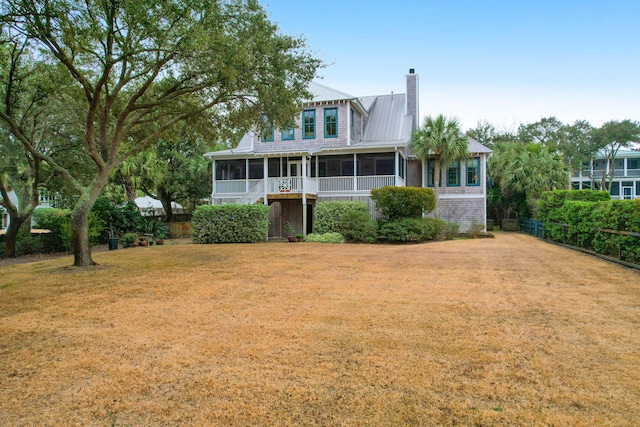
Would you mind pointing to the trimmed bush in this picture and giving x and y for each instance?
(415, 230)
(584, 221)
(552, 200)
(325, 238)
(230, 223)
(327, 215)
(403, 202)
(357, 226)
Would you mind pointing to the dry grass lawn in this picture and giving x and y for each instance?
(505, 331)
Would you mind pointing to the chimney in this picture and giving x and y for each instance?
(412, 96)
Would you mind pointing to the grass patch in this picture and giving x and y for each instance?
(453, 333)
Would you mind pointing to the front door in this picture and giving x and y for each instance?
(627, 193)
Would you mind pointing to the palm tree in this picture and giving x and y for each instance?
(440, 138)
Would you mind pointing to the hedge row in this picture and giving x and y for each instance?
(580, 223)
(403, 202)
(230, 223)
(349, 218)
(551, 200)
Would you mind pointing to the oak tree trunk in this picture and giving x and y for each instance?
(11, 238)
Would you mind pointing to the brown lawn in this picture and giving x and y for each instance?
(505, 331)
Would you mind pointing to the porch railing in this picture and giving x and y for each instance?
(254, 194)
(313, 185)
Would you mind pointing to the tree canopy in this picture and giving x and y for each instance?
(138, 69)
(441, 138)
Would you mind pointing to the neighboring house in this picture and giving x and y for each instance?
(149, 206)
(341, 148)
(626, 175)
(46, 201)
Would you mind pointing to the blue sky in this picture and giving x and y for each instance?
(502, 61)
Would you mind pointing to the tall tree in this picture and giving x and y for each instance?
(548, 132)
(609, 139)
(23, 95)
(439, 138)
(522, 172)
(140, 69)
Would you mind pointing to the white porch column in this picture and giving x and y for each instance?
(396, 167)
(265, 169)
(625, 167)
(246, 176)
(355, 172)
(213, 178)
(304, 195)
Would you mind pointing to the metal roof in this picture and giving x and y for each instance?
(322, 93)
(388, 120)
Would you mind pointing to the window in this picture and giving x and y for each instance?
(274, 168)
(256, 169)
(633, 163)
(615, 189)
(431, 170)
(637, 188)
(267, 134)
(335, 166)
(231, 169)
(473, 171)
(376, 164)
(330, 122)
(574, 185)
(453, 174)
(401, 166)
(308, 124)
(287, 135)
(353, 125)
(586, 185)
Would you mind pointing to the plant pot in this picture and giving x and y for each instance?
(160, 241)
(292, 238)
(113, 244)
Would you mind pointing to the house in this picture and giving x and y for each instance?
(341, 148)
(626, 175)
(45, 201)
(148, 206)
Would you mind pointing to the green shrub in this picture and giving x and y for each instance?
(58, 221)
(325, 238)
(584, 221)
(230, 223)
(128, 239)
(121, 218)
(408, 230)
(327, 215)
(451, 230)
(552, 200)
(357, 226)
(403, 202)
(29, 245)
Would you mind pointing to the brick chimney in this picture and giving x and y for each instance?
(412, 96)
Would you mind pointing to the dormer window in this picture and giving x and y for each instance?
(308, 124)
(330, 122)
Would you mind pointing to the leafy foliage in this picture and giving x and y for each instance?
(230, 223)
(351, 219)
(119, 218)
(134, 72)
(440, 138)
(58, 221)
(550, 201)
(403, 202)
(584, 223)
(417, 230)
(520, 173)
(325, 238)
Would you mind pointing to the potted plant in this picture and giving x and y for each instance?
(113, 240)
(291, 231)
(299, 237)
(160, 233)
(130, 239)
